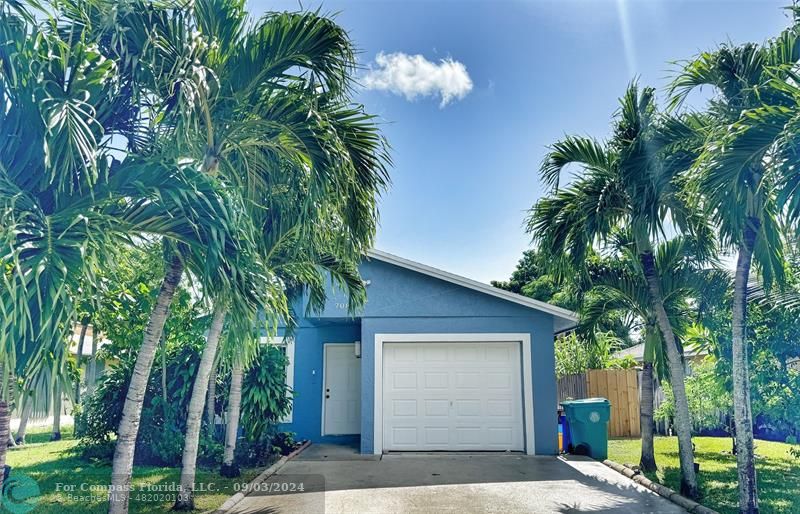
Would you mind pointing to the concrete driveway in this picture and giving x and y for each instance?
(331, 481)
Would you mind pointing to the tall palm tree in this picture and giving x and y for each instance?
(741, 174)
(66, 199)
(280, 126)
(59, 97)
(619, 288)
(632, 181)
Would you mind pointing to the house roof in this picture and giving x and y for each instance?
(564, 319)
(637, 352)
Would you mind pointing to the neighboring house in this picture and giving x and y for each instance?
(86, 351)
(691, 355)
(433, 361)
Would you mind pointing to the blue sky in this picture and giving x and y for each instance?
(466, 173)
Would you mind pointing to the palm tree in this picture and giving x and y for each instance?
(212, 398)
(632, 181)
(619, 289)
(279, 106)
(195, 413)
(66, 200)
(229, 468)
(24, 416)
(51, 156)
(741, 172)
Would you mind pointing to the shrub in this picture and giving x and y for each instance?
(265, 397)
(707, 398)
(210, 452)
(262, 452)
(575, 354)
(163, 423)
(284, 443)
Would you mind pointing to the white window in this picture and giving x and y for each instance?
(286, 345)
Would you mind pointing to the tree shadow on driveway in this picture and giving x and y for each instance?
(457, 483)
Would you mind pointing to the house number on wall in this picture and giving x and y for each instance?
(340, 305)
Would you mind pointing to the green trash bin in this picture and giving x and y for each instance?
(588, 426)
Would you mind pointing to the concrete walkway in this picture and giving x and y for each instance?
(315, 483)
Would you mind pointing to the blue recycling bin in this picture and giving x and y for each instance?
(587, 420)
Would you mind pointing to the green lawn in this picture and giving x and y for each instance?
(778, 471)
(51, 464)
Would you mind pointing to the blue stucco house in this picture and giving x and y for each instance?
(433, 362)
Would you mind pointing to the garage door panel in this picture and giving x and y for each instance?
(436, 380)
(434, 354)
(405, 436)
(437, 408)
(469, 380)
(401, 408)
(500, 436)
(469, 436)
(499, 408)
(404, 380)
(467, 353)
(499, 380)
(470, 408)
(437, 435)
(498, 354)
(404, 354)
(463, 397)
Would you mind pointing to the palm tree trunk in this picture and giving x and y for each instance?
(194, 419)
(81, 344)
(229, 468)
(212, 399)
(648, 459)
(10, 386)
(132, 411)
(683, 420)
(5, 431)
(57, 397)
(91, 368)
(5, 424)
(164, 369)
(23, 419)
(742, 415)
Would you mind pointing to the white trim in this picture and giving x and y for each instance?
(324, 367)
(527, 376)
(288, 342)
(567, 318)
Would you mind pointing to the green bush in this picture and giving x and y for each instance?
(284, 443)
(262, 452)
(707, 398)
(265, 397)
(575, 354)
(210, 452)
(163, 423)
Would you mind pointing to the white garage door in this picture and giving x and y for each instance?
(452, 396)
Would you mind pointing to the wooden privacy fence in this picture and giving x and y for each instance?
(619, 386)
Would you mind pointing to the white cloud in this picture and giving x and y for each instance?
(414, 75)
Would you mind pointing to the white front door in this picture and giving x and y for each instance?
(342, 393)
(452, 396)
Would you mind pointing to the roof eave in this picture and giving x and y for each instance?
(568, 319)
